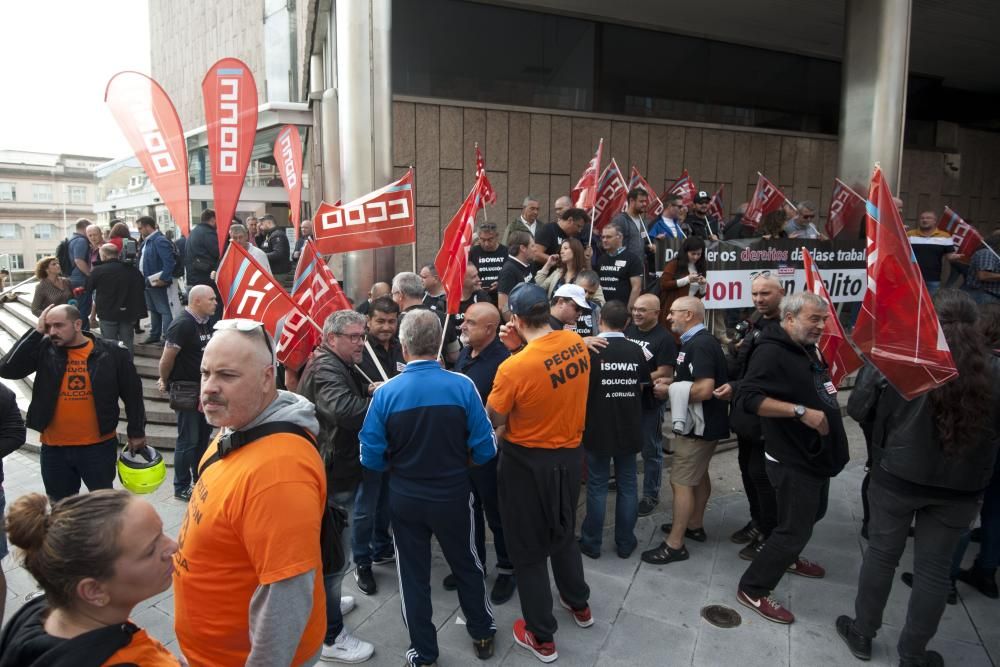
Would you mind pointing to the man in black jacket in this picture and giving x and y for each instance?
(788, 385)
(277, 247)
(699, 222)
(74, 403)
(11, 438)
(201, 254)
(119, 296)
(342, 396)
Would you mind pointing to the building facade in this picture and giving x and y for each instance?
(42, 195)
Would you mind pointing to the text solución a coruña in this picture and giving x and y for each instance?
(568, 364)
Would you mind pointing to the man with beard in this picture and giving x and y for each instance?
(633, 224)
(698, 222)
(488, 256)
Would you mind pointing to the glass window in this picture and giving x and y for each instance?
(40, 255)
(15, 262)
(45, 231)
(8, 192)
(41, 192)
(10, 230)
(77, 194)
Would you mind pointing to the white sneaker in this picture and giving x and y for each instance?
(346, 604)
(348, 649)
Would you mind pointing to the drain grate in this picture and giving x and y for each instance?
(721, 616)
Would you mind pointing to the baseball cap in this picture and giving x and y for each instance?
(574, 292)
(526, 296)
(702, 197)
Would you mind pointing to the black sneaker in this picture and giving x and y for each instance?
(503, 588)
(384, 558)
(696, 534)
(750, 551)
(931, 659)
(860, 647)
(982, 580)
(184, 495)
(484, 648)
(747, 533)
(647, 506)
(450, 583)
(663, 554)
(152, 340)
(907, 578)
(366, 580)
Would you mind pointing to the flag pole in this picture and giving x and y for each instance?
(378, 364)
(444, 332)
(590, 238)
(363, 374)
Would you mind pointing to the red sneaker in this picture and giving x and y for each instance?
(544, 651)
(767, 607)
(806, 568)
(581, 616)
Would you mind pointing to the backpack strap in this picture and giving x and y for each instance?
(238, 439)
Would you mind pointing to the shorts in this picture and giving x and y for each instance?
(691, 459)
(3, 531)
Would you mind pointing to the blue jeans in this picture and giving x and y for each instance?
(65, 466)
(193, 433)
(160, 315)
(370, 523)
(932, 286)
(332, 582)
(626, 505)
(83, 304)
(652, 451)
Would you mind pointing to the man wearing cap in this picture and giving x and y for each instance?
(488, 257)
(698, 221)
(538, 406)
(568, 303)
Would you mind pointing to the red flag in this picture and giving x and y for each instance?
(684, 187)
(288, 157)
(766, 198)
(715, 207)
(147, 117)
(230, 96)
(898, 328)
(966, 238)
(376, 220)
(489, 194)
(454, 253)
(584, 194)
(847, 210)
(833, 344)
(612, 194)
(636, 180)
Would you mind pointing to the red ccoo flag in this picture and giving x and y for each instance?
(489, 194)
(966, 238)
(833, 344)
(898, 328)
(230, 97)
(655, 207)
(584, 194)
(378, 219)
(847, 210)
(453, 256)
(684, 187)
(288, 157)
(612, 194)
(716, 208)
(149, 121)
(766, 199)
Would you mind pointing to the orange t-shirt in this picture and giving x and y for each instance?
(543, 390)
(75, 419)
(253, 520)
(143, 650)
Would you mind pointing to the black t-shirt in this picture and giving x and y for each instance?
(488, 263)
(701, 357)
(479, 296)
(658, 346)
(391, 360)
(191, 337)
(551, 236)
(614, 401)
(929, 252)
(615, 272)
(586, 323)
(513, 274)
(439, 302)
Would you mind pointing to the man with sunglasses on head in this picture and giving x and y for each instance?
(248, 573)
(488, 256)
(341, 394)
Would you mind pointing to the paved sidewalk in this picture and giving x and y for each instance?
(645, 615)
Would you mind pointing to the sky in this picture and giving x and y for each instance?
(58, 56)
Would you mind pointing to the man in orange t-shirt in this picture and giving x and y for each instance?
(538, 406)
(248, 577)
(79, 379)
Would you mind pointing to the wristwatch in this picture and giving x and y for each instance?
(800, 411)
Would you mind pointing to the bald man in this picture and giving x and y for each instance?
(377, 290)
(180, 374)
(479, 361)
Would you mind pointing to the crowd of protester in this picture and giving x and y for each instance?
(572, 356)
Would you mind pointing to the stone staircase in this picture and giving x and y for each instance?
(161, 423)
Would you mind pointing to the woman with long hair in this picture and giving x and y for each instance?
(95, 556)
(772, 225)
(684, 275)
(53, 288)
(563, 269)
(932, 458)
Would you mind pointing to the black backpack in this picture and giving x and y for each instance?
(62, 254)
(334, 518)
(178, 261)
(130, 252)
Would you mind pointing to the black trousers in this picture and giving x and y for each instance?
(413, 524)
(802, 500)
(65, 466)
(760, 493)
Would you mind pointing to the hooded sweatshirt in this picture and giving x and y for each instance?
(782, 369)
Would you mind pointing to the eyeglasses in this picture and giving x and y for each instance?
(354, 338)
(808, 217)
(244, 325)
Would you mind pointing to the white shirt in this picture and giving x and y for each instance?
(530, 225)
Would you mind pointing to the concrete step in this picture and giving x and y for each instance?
(33, 444)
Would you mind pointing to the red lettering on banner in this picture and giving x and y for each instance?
(288, 161)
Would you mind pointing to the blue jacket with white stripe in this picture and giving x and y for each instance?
(422, 426)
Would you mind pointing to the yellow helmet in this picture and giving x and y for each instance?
(142, 471)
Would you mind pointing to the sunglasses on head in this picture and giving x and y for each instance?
(244, 325)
